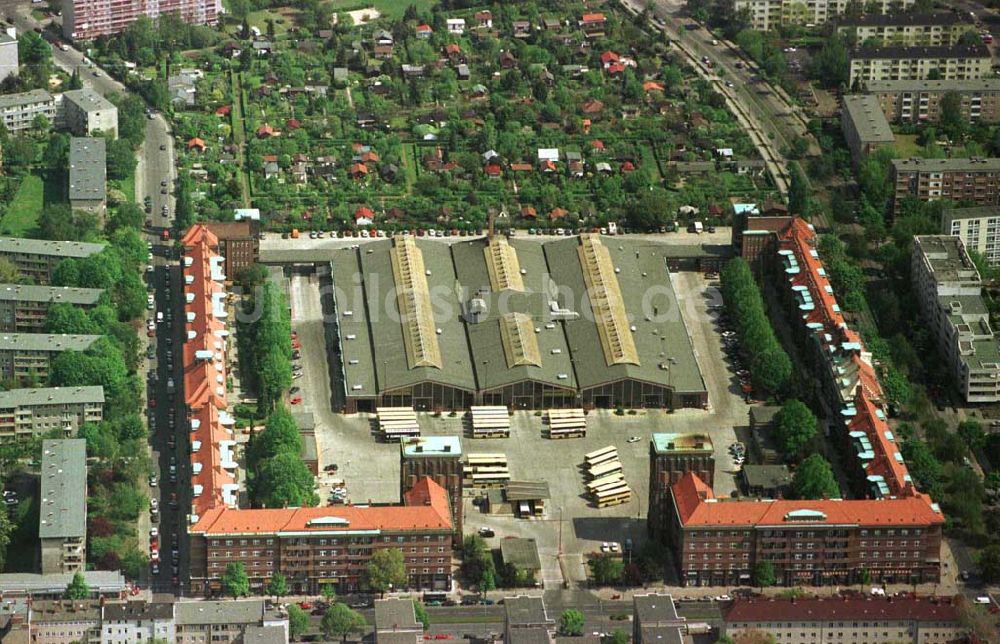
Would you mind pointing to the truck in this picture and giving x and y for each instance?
(295, 233)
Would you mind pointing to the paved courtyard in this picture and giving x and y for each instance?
(370, 468)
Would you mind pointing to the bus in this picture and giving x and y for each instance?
(604, 480)
(477, 460)
(614, 496)
(601, 455)
(600, 471)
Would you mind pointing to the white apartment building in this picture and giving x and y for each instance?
(85, 112)
(18, 111)
(27, 412)
(978, 227)
(768, 14)
(8, 53)
(949, 289)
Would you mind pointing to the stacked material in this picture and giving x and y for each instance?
(567, 423)
(396, 423)
(490, 422)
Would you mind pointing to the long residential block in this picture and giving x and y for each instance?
(956, 62)
(88, 175)
(919, 101)
(769, 14)
(909, 29)
(974, 180)
(24, 307)
(978, 227)
(62, 513)
(29, 412)
(26, 356)
(87, 19)
(38, 258)
(949, 289)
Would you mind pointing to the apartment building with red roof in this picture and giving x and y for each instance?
(312, 547)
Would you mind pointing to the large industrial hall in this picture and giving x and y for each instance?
(583, 321)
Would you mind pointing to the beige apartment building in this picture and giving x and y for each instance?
(29, 412)
(937, 29)
(26, 356)
(38, 258)
(956, 62)
(949, 290)
(24, 307)
(228, 622)
(918, 101)
(978, 227)
(84, 112)
(65, 621)
(768, 14)
(62, 517)
(974, 180)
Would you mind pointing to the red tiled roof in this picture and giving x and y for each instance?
(592, 107)
(359, 168)
(223, 111)
(832, 609)
(521, 167)
(557, 213)
(424, 29)
(697, 506)
(452, 48)
(196, 143)
(597, 144)
(616, 68)
(493, 170)
(364, 212)
(426, 508)
(652, 86)
(610, 57)
(593, 18)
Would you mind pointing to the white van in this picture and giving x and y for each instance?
(159, 316)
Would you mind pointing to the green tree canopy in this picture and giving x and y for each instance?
(235, 581)
(298, 621)
(420, 612)
(77, 588)
(277, 586)
(989, 563)
(340, 621)
(386, 570)
(795, 427)
(285, 481)
(764, 575)
(571, 623)
(813, 479)
(606, 569)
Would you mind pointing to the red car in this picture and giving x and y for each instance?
(305, 605)
(296, 344)
(442, 636)
(151, 333)
(296, 400)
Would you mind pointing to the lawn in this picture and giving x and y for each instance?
(906, 146)
(283, 18)
(126, 185)
(22, 213)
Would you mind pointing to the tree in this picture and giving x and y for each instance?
(280, 435)
(831, 66)
(56, 155)
(571, 622)
(971, 432)
(120, 158)
(606, 569)
(298, 621)
(386, 570)
(277, 586)
(235, 581)
(75, 81)
(814, 479)
(989, 563)
(476, 558)
(798, 191)
(420, 611)
(9, 274)
(285, 481)
(951, 120)
(795, 427)
(328, 593)
(77, 588)
(340, 621)
(488, 580)
(618, 636)
(764, 575)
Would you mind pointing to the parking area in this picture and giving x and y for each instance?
(370, 468)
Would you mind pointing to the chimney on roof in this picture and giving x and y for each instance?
(447, 448)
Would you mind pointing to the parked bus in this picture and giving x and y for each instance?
(600, 471)
(595, 455)
(613, 496)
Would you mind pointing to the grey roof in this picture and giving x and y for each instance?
(24, 98)
(51, 396)
(529, 636)
(654, 609)
(54, 294)
(397, 637)
(305, 421)
(225, 612)
(66, 610)
(395, 614)
(702, 251)
(99, 581)
(643, 278)
(138, 609)
(901, 19)
(973, 164)
(527, 490)
(520, 553)
(907, 53)
(763, 414)
(272, 634)
(46, 342)
(866, 116)
(63, 505)
(309, 450)
(485, 338)
(661, 635)
(967, 85)
(64, 249)
(767, 476)
(87, 169)
(947, 257)
(523, 610)
(88, 100)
